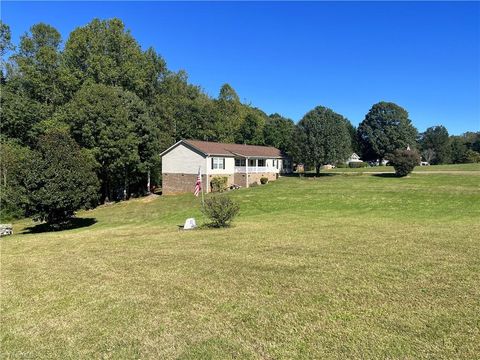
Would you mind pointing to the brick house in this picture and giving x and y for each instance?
(240, 164)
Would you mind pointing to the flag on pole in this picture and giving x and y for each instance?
(198, 184)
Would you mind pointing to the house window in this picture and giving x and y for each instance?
(239, 162)
(261, 162)
(218, 163)
(251, 162)
(274, 163)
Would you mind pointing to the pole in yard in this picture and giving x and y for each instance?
(203, 200)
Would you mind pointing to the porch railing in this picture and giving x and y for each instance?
(255, 169)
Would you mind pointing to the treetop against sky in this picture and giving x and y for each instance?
(289, 57)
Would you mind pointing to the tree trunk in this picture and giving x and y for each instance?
(125, 186)
(148, 181)
(105, 189)
(317, 170)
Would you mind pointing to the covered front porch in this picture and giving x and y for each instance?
(256, 165)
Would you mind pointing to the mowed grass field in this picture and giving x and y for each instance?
(339, 267)
(419, 169)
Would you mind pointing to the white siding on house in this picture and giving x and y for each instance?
(229, 166)
(182, 160)
(272, 168)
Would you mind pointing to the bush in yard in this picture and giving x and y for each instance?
(472, 156)
(263, 180)
(404, 161)
(356, 165)
(219, 183)
(60, 179)
(221, 210)
(341, 166)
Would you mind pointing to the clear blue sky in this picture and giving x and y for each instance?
(290, 57)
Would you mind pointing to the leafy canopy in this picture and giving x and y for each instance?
(386, 128)
(436, 138)
(323, 137)
(60, 179)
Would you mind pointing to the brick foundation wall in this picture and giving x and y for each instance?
(256, 177)
(240, 178)
(179, 183)
(183, 183)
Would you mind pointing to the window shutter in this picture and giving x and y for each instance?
(223, 164)
(212, 163)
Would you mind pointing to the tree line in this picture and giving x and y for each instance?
(98, 108)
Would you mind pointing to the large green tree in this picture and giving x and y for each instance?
(13, 195)
(324, 137)
(231, 114)
(39, 61)
(459, 149)
(465, 148)
(352, 130)
(60, 179)
(20, 114)
(472, 140)
(104, 52)
(279, 133)
(5, 46)
(182, 111)
(251, 130)
(386, 127)
(436, 138)
(36, 83)
(116, 126)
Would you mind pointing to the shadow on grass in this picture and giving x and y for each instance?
(386, 175)
(74, 223)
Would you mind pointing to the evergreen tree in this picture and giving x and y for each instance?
(60, 179)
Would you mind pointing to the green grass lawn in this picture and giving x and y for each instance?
(432, 168)
(333, 267)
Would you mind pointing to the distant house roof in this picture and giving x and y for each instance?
(223, 149)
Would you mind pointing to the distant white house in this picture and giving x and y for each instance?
(242, 165)
(353, 158)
